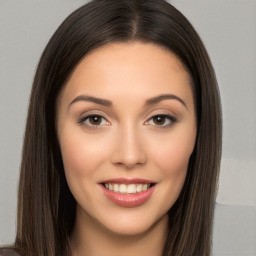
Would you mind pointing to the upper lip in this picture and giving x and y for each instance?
(128, 181)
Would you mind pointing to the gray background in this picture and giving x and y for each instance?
(228, 29)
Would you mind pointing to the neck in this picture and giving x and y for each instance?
(90, 238)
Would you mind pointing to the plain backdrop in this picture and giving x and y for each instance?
(228, 29)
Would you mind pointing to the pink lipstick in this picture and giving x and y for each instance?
(128, 192)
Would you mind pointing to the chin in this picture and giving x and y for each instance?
(126, 229)
(133, 222)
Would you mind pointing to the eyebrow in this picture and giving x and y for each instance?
(165, 97)
(99, 101)
(109, 103)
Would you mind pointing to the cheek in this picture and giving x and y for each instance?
(81, 159)
(81, 156)
(172, 155)
(173, 160)
(173, 164)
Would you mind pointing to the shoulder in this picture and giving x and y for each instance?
(8, 252)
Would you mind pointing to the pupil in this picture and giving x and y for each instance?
(95, 120)
(159, 120)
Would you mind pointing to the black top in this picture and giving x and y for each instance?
(8, 252)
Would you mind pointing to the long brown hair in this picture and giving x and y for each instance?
(46, 207)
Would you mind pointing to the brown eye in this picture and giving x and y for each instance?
(159, 120)
(93, 121)
(162, 120)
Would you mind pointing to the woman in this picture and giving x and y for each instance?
(123, 138)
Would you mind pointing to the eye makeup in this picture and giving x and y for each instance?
(161, 120)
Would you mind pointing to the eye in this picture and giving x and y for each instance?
(93, 121)
(161, 120)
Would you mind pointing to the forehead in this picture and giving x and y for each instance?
(131, 69)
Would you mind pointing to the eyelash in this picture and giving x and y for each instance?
(84, 119)
(171, 120)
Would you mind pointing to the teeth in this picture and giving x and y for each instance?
(116, 188)
(139, 188)
(122, 188)
(131, 189)
(127, 189)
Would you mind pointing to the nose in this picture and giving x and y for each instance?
(129, 150)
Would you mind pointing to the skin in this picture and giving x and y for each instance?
(127, 141)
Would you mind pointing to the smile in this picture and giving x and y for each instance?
(128, 192)
(127, 188)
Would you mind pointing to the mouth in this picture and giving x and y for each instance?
(133, 188)
(128, 192)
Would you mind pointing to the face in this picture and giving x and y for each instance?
(126, 126)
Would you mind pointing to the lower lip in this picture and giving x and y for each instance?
(131, 200)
